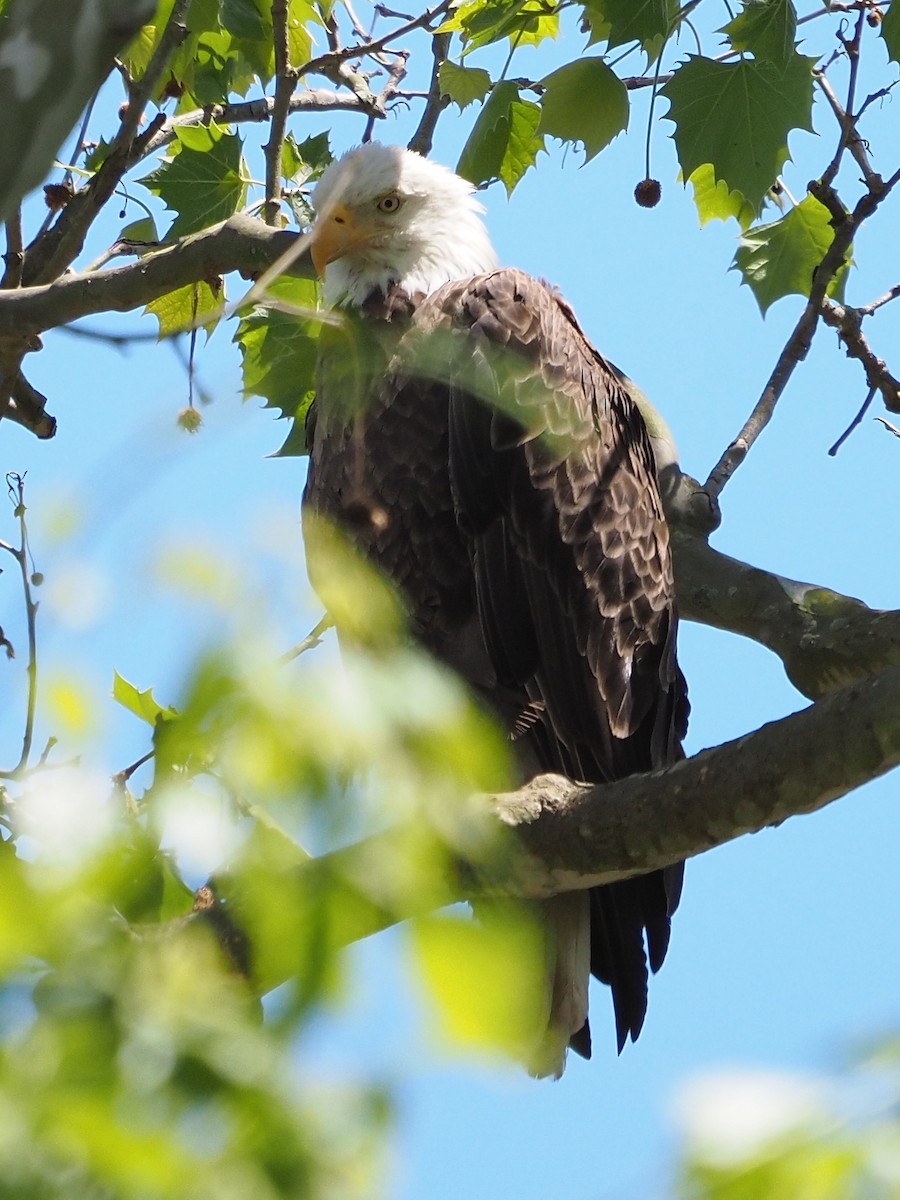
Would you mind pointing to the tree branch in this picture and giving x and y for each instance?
(61, 245)
(554, 835)
(796, 348)
(241, 243)
(824, 639)
(285, 82)
(848, 322)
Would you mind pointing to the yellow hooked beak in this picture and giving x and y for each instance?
(337, 233)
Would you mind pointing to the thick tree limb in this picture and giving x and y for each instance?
(554, 835)
(824, 639)
(241, 243)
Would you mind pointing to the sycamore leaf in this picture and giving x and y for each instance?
(715, 201)
(779, 258)
(737, 117)
(463, 84)
(767, 28)
(250, 24)
(306, 160)
(142, 704)
(202, 181)
(621, 21)
(189, 307)
(504, 141)
(278, 355)
(212, 71)
(890, 31)
(481, 22)
(586, 102)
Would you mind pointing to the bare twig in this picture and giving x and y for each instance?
(121, 777)
(849, 133)
(848, 322)
(889, 427)
(285, 83)
(312, 639)
(21, 553)
(421, 141)
(867, 309)
(857, 420)
(847, 119)
(325, 64)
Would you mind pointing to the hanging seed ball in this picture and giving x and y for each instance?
(647, 193)
(189, 420)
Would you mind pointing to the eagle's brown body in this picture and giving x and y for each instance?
(482, 453)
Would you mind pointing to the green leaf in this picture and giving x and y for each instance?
(463, 84)
(303, 161)
(481, 22)
(193, 306)
(485, 978)
(620, 21)
(890, 31)
(202, 181)
(504, 141)
(737, 117)
(586, 102)
(142, 230)
(278, 355)
(715, 201)
(142, 704)
(779, 258)
(767, 28)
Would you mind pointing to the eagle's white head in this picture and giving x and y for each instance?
(388, 216)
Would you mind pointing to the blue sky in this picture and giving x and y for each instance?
(785, 949)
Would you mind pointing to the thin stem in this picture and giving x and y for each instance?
(857, 420)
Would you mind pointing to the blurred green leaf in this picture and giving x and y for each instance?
(487, 981)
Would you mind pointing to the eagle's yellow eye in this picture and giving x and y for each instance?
(389, 204)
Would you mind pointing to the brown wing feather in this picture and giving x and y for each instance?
(556, 494)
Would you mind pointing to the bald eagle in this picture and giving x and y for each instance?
(478, 449)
